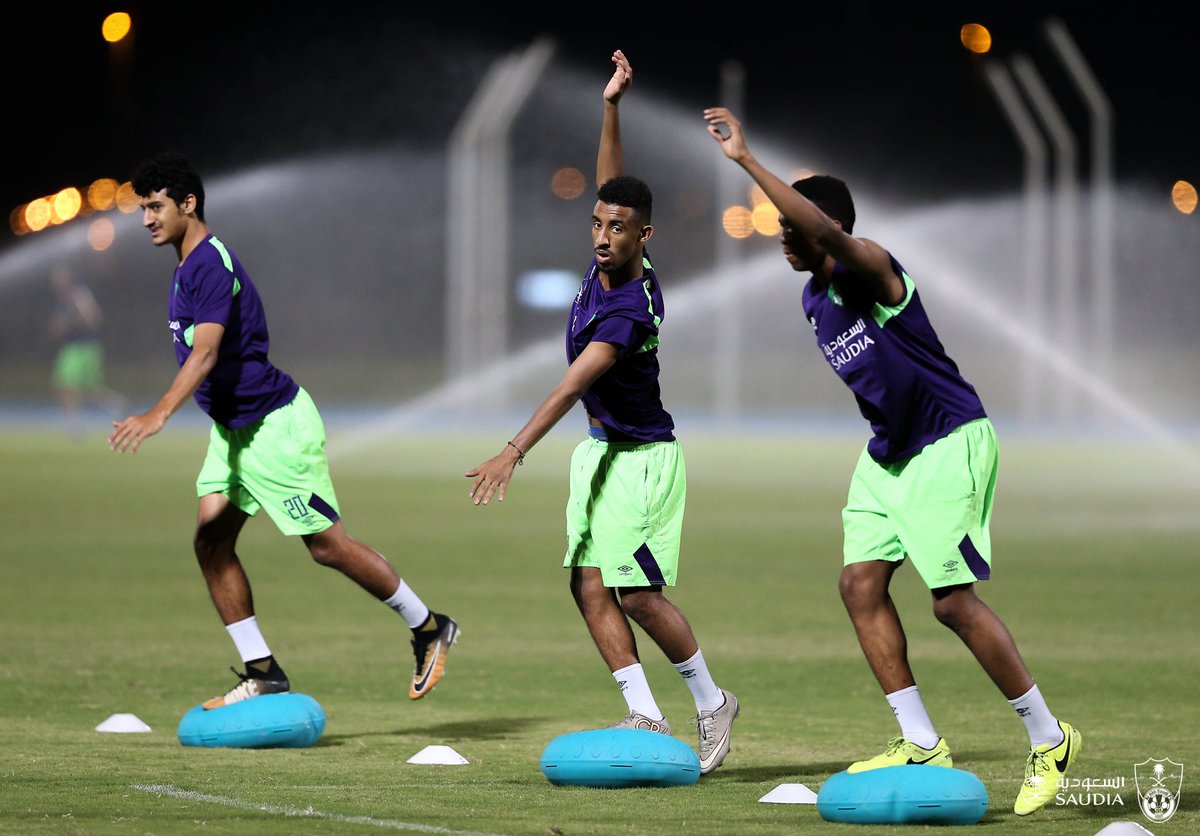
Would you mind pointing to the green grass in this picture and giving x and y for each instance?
(104, 611)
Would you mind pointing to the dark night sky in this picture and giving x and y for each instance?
(237, 83)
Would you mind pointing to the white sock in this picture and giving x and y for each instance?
(248, 639)
(411, 608)
(636, 690)
(915, 724)
(699, 681)
(1039, 722)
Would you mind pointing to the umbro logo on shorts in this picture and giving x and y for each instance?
(949, 564)
(625, 570)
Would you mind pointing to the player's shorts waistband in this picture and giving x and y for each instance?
(609, 434)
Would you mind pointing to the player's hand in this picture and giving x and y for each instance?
(492, 477)
(130, 433)
(732, 140)
(622, 78)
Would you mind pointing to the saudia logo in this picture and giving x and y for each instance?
(1159, 783)
(847, 345)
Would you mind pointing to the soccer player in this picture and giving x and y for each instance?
(923, 486)
(79, 364)
(628, 484)
(267, 445)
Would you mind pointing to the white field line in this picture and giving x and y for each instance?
(307, 812)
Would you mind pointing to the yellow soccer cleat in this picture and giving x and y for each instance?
(1044, 770)
(901, 752)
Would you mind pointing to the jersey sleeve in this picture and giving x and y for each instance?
(212, 293)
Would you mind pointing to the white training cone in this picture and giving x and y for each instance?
(123, 724)
(790, 794)
(438, 755)
(1124, 828)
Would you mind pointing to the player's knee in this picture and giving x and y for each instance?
(952, 610)
(641, 605)
(325, 553)
(858, 591)
(209, 545)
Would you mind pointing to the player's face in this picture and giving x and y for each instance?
(616, 236)
(164, 218)
(799, 253)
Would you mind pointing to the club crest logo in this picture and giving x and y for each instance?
(1159, 782)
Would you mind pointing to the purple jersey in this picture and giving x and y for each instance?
(212, 286)
(893, 362)
(626, 398)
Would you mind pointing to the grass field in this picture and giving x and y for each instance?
(103, 611)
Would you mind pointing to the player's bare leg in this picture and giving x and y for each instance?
(432, 639)
(864, 590)
(982, 631)
(336, 549)
(605, 620)
(218, 524)
(661, 620)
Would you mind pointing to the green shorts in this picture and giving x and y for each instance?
(277, 463)
(79, 366)
(934, 507)
(625, 512)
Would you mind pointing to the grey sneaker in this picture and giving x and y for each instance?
(633, 720)
(713, 727)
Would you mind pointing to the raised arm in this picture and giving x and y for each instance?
(864, 257)
(609, 160)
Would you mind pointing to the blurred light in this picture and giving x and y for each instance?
(757, 195)
(66, 204)
(102, 195)
(116, 26)
(738, 222)
(547, 289)
(16, 220)
(100, 234)
(765, 218)
(568, 183)
(127, 199)
(801, 174)
(1183, 195)
(37, 214)
(976, 38)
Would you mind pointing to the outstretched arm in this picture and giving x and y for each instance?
(864, 257)
(131, 432)
(609, 160)
(493, 476)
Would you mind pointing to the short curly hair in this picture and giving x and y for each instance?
(173, 172)
(630, 192)
(831, 196)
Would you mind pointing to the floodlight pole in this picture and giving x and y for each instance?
(728, 338)
(1066, 233)
(1101, 245)
(1034, 282)
(477, 280)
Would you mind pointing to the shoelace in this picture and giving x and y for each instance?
(1035, 768)
(894, 745)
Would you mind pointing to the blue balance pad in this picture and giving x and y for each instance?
(903, 795)
(293, 721)
(619, 758)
